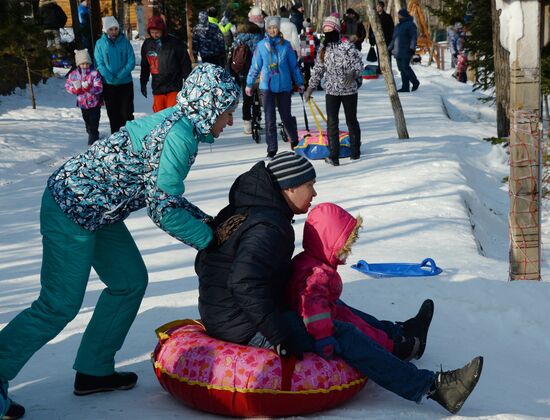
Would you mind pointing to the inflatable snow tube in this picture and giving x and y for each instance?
(234, 380)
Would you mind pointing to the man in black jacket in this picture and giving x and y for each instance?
(52, 18)
(243, 279)
(166, 58)
(386, 22)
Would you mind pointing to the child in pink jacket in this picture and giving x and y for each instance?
(85, 82)
(316, 286)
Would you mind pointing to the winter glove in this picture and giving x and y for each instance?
(307, 94)
(327, 347)
(248, 91)
(288, 348)
(144, 90)
(76, 84)
(85, 85)
(301, 88)
(226, 229)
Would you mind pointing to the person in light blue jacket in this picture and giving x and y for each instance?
(86, 200)
(114, 59)
(275, 62)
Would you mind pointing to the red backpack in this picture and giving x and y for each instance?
(241, 59)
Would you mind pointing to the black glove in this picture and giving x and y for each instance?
(144, 90)
(289, 348)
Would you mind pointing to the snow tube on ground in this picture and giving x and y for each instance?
(234, 380)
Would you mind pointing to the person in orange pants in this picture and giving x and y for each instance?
(165, 58)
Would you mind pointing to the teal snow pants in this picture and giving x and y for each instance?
(69, 252)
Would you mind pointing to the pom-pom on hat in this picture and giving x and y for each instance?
(109, 22)
(273, 21)
(82, 56)
(290, 170)
(332, 22)
(256, 16)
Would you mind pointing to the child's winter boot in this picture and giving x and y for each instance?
(452, 388)
(406, 348)
(88, 384)
(419, 325)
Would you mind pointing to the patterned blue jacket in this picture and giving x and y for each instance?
(145, 163)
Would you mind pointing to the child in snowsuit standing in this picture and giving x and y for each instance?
(85, 82)
(380, 350)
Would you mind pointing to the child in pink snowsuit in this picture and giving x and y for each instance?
(85, 82)
(315, 285)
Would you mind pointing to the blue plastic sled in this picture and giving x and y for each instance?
(425, 268)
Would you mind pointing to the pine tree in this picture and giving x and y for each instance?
(21, 40)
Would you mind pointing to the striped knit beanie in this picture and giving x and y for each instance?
(290, 170)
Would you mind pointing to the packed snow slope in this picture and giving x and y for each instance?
(439, 194)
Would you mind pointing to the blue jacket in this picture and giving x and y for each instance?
(145, 163)
(404, 38)
(114, 60)
(276, 64)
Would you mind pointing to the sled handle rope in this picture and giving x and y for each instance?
(305, 113)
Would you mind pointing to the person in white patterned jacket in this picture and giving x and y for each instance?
(341, 64)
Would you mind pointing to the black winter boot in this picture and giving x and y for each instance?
(406, 348)
(15, 411)
(419, 325)
(88, 384)
(452, 388)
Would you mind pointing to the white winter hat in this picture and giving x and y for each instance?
(109, 22)
(82, 56)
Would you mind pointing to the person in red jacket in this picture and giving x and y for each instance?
(165, 58)
(380, 350)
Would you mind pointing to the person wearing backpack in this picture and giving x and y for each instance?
(248, 36)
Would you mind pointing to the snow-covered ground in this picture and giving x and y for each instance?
(439, 194)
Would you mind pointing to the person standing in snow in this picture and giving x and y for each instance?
(85, 82)
(208, 41)
(297, 16)
(276, 63)
(309, 45)
(85, 27)
(353, 28)
(52, 18)
(165, 58)
(341, 64)
(386, 22)
(143, 165)
(289, 30)
(403, 47)
(114, 59)
(250, 34)
(380, 350)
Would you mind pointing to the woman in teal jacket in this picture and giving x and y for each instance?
(82, 223)
(275, 61)
(114, 59)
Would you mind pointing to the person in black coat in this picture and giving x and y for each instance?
(242, 280)
(297, 16)
(386, 22)
(52, 18)
(165, 58)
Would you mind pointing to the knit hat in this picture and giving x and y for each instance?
(82, 56)
(403, 12)
(156, 22)
(332, 22)
(256, 16)
(109, 22)
(290, 170)
(273, 21)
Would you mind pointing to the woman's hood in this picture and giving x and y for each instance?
(326, 231)
(207, 92)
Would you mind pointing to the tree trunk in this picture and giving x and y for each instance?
(31, 89)
(398, 115)
(188, 26)
(525, 136)
(320, 15)
(95, 21)
(76, 23)
(502, 77)
(120, 15)
(127, 22)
